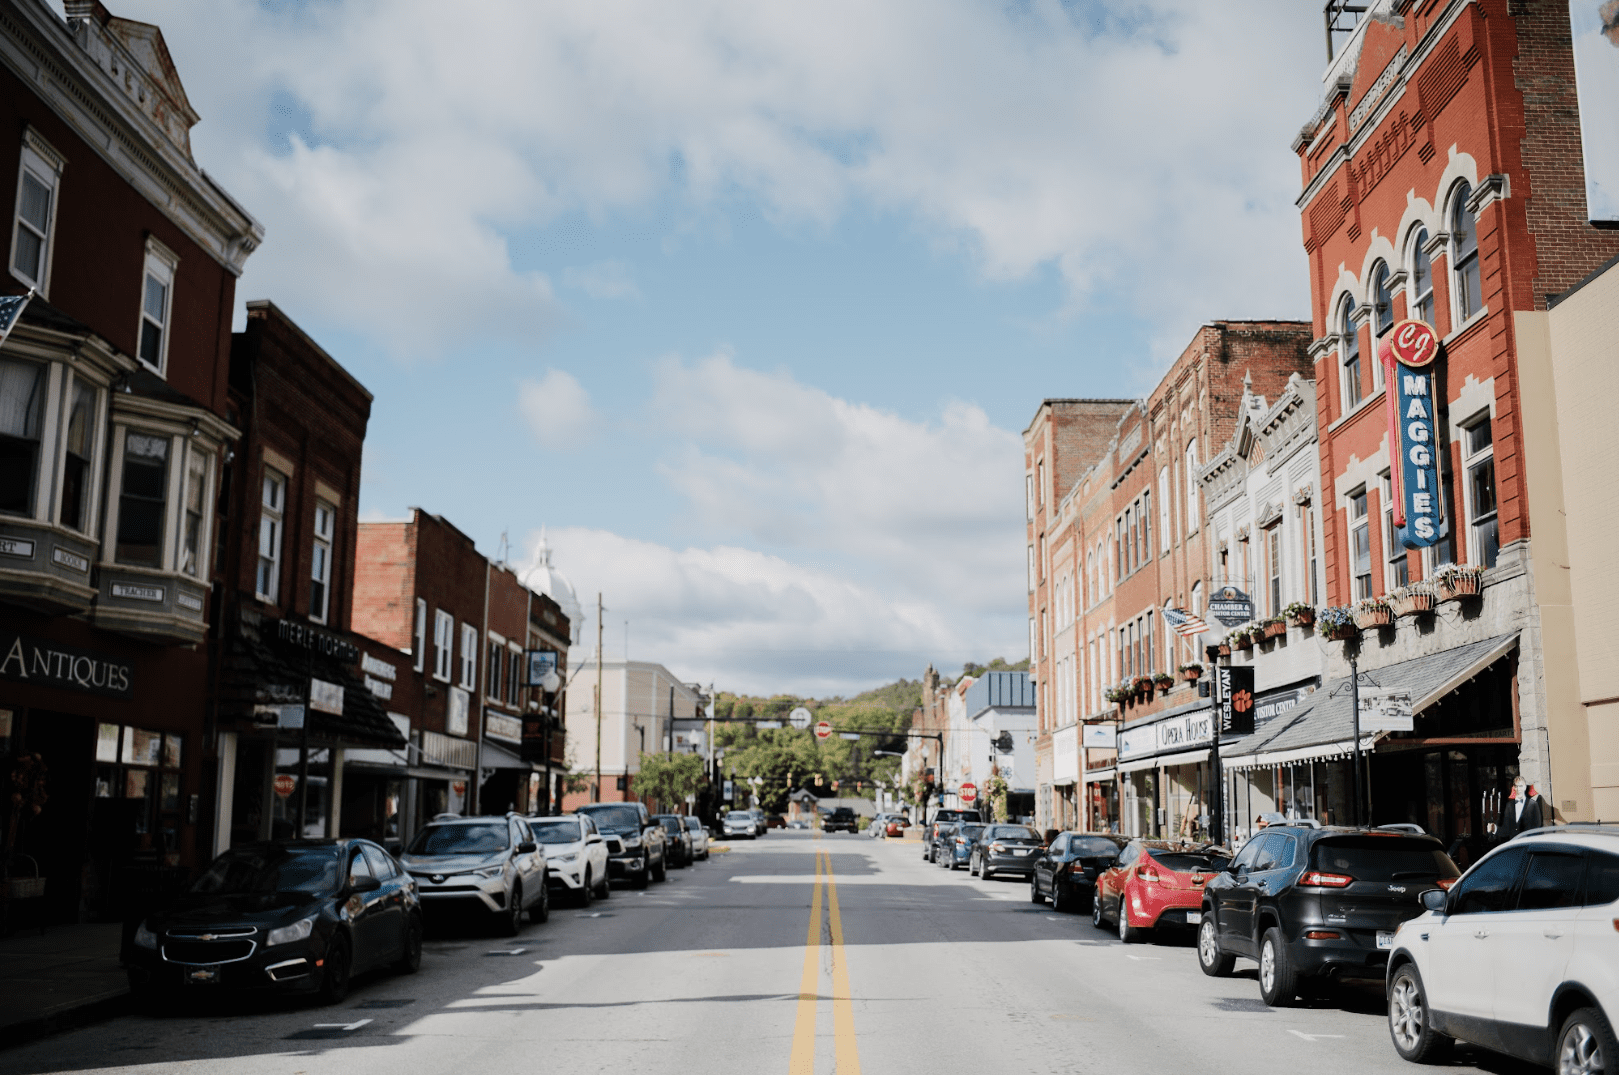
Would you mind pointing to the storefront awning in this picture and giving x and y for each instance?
(1099, 776)
(1137, 765)
(496, 756)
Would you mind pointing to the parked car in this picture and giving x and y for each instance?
(760, 822)
(481, 865)
(958, 850)
(1519, 956)
(775, 821)
(1065, 871)
(636, 849)
(698, 835)
(878, 826)
(930, 834)
(943, 833)
(896, 824)
(798, 823)
(841, 819)
(737, 823)
(1152, 885)
(575, 856)
(1313, 903)
(677, 842)
(281, 917)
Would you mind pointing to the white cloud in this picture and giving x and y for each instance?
(557, 409)
(603, 280)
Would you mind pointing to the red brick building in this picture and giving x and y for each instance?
(1443, 182)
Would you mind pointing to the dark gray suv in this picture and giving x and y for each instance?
(636, 849)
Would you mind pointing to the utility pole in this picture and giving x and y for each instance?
(599, 673)
(1354, 704)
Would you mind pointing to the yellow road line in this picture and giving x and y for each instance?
(848, 1053)
(803, 1056)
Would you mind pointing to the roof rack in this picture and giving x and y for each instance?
(1601, 828)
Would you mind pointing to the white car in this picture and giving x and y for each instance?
(738, 823)
(576, 854)
(699, 838)
(1521, 956)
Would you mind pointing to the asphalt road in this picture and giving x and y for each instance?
(795, 954)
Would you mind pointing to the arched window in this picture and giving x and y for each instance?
(1464, 256)
(1382, 300)
(1421, 278)
(1196, 607)
(1193, 516)
(1351, 355)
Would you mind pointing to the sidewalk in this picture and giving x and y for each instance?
(67, 976)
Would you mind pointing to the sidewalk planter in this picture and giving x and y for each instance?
(1299, 615)
(1453, 585)
(1275, 628)
(1411, 603)
(1370, 616)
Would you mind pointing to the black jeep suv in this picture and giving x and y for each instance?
(1311, 904)
(841, 819)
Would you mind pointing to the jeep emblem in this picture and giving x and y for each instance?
(1396, 888)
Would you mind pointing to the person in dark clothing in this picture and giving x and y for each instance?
(1520, 813)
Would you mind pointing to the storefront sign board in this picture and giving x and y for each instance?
(1135, 742)
(1101, 736)
(1407, 356)
(48, 664)
(325, 697)
(1231, 606)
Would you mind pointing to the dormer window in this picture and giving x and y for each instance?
(157, 295)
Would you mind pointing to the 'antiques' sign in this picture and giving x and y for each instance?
(34, 660)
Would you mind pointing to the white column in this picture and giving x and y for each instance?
(224, 791)
(334, 786)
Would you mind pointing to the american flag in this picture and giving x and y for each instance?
(1185, 623)
(10, 310)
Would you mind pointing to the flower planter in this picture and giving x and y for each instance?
(1457, 586)
(1164, 684)
(1374, 617)
(1301, 619)
(1412, 604)
(1341, 633)
(1224, 650)
(1191, 675)
(1245, 642)
(1275, 630)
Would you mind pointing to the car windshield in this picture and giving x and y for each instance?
(616, 818)
(560, 830)
(671, 823)
(272, 870)
(738, 815)
(1091, 846)
(1187, 862)
(459, 839)
(1011, 832)
(1384, 858)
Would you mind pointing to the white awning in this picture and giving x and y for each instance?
(1319, 752)
(1137, 765)
(1099, 776)
(1064, 780)
(1185, 757)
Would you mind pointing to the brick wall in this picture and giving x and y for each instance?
(385, 582)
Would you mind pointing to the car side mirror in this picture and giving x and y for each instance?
(527, 847)
(593, 838)
(364, 884)
(1434, 899)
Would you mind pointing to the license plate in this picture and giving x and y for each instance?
(1020, 851)
(1385, 940)
(202, 976)
(1194, 918)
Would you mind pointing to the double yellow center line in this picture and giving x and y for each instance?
(848, 1054)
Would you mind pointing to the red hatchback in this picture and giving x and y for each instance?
(1154, 884)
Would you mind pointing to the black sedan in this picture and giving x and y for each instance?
(298, 916)
(1067, 870)
(1005, 849)
(677, 840)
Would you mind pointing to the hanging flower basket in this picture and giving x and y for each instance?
(1224, 649)
(1372, 614)
(1163, 681)
(1191, 672)
(1275, 628)
(1411, 602)
(1336, 624)
(1341, 633)
(1299, 614)
(1243, 641)
(1452, 582)
(1143, 686)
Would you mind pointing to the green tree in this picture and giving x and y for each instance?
(669, 778)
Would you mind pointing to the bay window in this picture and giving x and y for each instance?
(142, 500)
(22, 406)
(192, 532)
(78, 457)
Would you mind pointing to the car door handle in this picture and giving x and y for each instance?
(1553, 934)
(1481, 933)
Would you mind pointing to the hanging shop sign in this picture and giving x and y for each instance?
(34, 660)
(541, 663)
(326, 697)
(1386, 711)
(1101, 736)
(1407, 356)
(1231, 606)
(1236, 700)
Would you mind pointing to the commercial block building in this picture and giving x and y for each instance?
(641, 703)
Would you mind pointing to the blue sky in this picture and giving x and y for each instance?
(748, 304)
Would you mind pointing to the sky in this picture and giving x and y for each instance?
(747, 305)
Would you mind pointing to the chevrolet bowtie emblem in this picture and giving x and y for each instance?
(206, 937)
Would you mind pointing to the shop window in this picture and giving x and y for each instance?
(34, 230)
(192, 533)
(273, 505)
(1421, 278)
(157, 295)
(1398, 573)
(495, 665)
(320, 563)
(76, 461)
(143, 768)
(418, 637)
(1478, 464)
(469, 657)
(1349, 356)
(143, 500)
(1360, 545)
(22, 404)
(443, 644)
(1464, 255)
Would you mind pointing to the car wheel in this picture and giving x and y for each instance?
(1034, 890)
(1098, 919)
(606, 889)
(972, 867)
(986, 873)
(1128, 934)
(541, 911)
(511, 922)
(587, 890)
(1062, 897)
(1278, 981)
(1586, 1044)
(660, 874)
(642, 876)
(1215, 963)
(410, 960)
(1414, 1037)
(334, 982)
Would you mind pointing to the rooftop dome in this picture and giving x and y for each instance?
(546, 579)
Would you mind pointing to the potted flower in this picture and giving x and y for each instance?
(1116, 695)
(1191, 672)
(1336, 623)
(1240, 638)
(1163, 681)
(1224, 648)
(1373, 612)
(1299, 614)
(1454, 581)
(1143, 687)
(1275, 627)
(1411, 600)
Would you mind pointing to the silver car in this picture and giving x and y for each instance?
(699, 838)
(575, 854)
(738, 823)
(491, 865)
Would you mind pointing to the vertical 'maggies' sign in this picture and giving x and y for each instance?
(1408, 356)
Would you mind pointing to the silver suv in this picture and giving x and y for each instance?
(489, 865)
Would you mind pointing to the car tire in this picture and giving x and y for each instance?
(1585, 1043)
(335, 967)
(606, 889)
(510, 922)
(986, 873)
(410, 960)
(1034, 890)
(1062, 899)
(1413, 1036)
(541, 911)
(972, 867)
(661, 874)
(1128, 934)
(586, 892)
(1215, 963)
(1098, 919)
(1278, 980)
(642, 877)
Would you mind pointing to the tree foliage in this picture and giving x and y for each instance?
(669, 778)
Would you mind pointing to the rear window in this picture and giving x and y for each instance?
(1184, 862)
(1091, 846)
(1383, 858)
(971, 830)
(1012, 832)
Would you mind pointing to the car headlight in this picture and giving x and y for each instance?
(489, 871)
(298, 931)
(145, 938)
(569, 857)
(632, 841)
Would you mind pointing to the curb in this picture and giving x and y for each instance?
(67, 1017)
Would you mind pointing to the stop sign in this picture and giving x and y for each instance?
(823, 730)
(285, 784)
(969, 793)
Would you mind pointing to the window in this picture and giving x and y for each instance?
(1492, 886)
(1360, 544)
(1351, 356)
(1197, 599)
(1399, 573)
(496, 666)
(1192, 513)
(443, 644)
(514, 676)
(193, 532)
(142, 500)
(1311, 556)
(1145, 514)
(469, 656)
(1382, 300)
(1040, 485)
(1150, 640)
(1421, 278)
(22, 403)
(1031, 568)
(1464, 256)
(35, 226)
(157, 291)
(270, 514)
(1164, 536)
(1478, 464)
(1552, 881)
(1273, 557)
(418, 636)
(1028, 496)
(76, 464)
(320, 561)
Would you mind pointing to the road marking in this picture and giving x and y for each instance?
(848, 1052)
(803, 1055)
(342, 1026)
(1312, 1037)
(506, 952)
(1142, 959)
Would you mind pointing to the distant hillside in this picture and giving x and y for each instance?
(997, 665)
(902, 696)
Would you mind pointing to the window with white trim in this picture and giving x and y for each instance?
(418, 636)
(1349, 360)
(495, 667)
(1273, 569)
(1165, 537)
(157, 298)
(33, 230)
(194, 532)
(443, 644)
(1382, 316)
(79, 454)
(273, 504)
(469, 656)
(320, 564)
(1421, 305)
(1311, 556)
(143, 497)
(1478, 464)
(1394, 552)
(514, 675)
(1193, 514)
(1360, 544)
(1466, 282)
(23, 386)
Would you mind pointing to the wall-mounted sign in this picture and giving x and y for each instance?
(1135, 742)
(1231, 606)
(324, 643)
(18, 547)
(290, 717)
(540, 663)
(1386, 711)
(1407, 356)
(455, 716)
(71, 559)
(131, 592)
(34, 660)
(326, 697)
(1101, 736)
(379, 668)
(1189, 730)
(1236, 700)
(501, 726)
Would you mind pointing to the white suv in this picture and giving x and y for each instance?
(1521, 956)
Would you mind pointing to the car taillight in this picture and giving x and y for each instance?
(997, 847)
(1317, 879)
(1321, 935)
(1446, 882)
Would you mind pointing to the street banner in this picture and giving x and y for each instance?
(540, 664)
(1236, 700)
